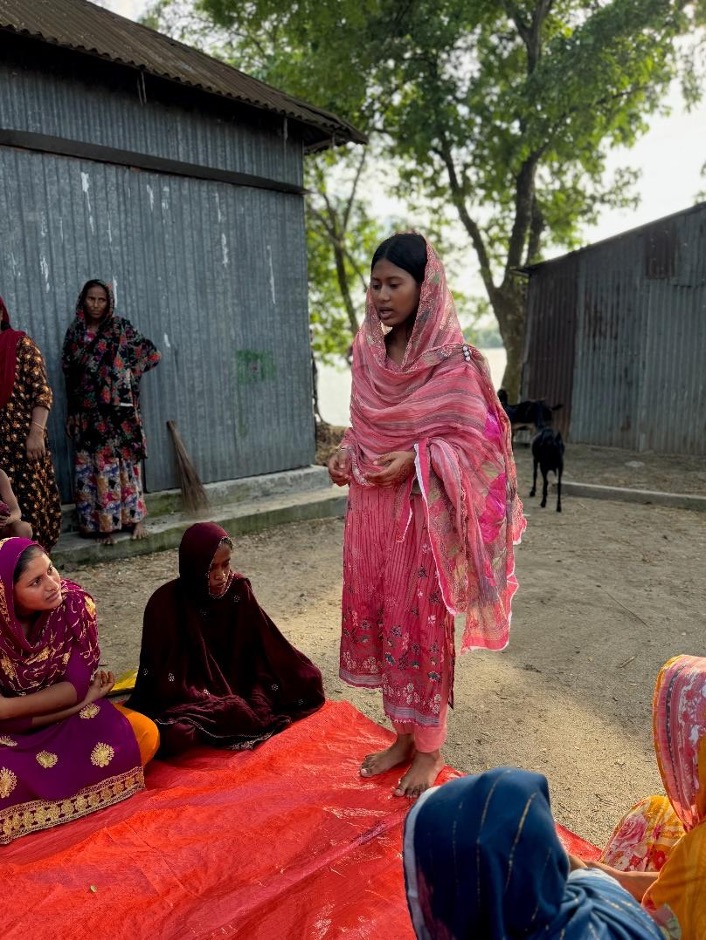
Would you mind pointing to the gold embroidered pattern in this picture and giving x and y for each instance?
(8, 667)
(90, 605)
(4, 613)
(8, 742)
(40, 657)
(90, 711)
(46, 759)
(102, 754)
(8, 782)
(30, 817)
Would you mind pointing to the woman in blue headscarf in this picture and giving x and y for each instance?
(482, 859)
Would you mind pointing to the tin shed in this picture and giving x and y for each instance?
(130, 157)
(617, 332)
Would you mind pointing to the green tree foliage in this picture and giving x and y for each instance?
(505, 110)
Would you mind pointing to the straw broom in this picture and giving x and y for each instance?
(193, 494)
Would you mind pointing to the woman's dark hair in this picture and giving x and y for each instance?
(88, 285)
(24, 560)
(407, 251)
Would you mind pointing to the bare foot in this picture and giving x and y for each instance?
(106, 540)
(421, 775)
(397, 753)
(139, 532)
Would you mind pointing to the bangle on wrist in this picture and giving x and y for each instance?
(38, 425)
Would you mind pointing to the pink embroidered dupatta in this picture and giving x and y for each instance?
(441, 403)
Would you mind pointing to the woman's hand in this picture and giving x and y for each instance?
(36, 448)
(397, 466)
(100, 685)
(634, 882)
(339, 468)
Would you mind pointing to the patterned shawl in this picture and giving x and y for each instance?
(440, 402)
(9, 339)
(679, 724)
(103, 372)
(30, 663)
(482, 859)
(679, 718)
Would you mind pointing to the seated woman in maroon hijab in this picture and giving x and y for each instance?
(214, 669)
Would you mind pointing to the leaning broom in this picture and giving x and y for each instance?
(193, 494)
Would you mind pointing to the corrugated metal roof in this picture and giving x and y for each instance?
(86, 28)
(664, 223)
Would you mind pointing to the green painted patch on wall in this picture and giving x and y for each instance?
(252, 367)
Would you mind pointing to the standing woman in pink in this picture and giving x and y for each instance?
(433, 512)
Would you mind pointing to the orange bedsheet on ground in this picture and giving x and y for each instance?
(286, 842)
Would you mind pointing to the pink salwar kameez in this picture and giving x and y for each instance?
(440, 544)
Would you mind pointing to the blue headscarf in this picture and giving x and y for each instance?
(482, 859)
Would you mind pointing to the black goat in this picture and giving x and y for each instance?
(548, 454)
(531, 413)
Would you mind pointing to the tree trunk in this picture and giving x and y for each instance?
(509, 308)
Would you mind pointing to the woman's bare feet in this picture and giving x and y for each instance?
(138, 532)
(421, 775)
(397, 753)
(106, 539)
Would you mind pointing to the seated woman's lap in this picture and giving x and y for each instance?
(644, 837)
(145, 730)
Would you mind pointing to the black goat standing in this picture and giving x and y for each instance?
(530, 413)
(548, 454)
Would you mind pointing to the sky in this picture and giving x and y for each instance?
(670, 157)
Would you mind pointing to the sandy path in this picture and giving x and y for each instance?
(608, 592)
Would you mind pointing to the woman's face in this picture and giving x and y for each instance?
(394, 292)
(95, 304)
(219, 571)
(38, 588)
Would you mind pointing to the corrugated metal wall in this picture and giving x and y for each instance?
(61, 105)
(215, 274)
(638, 379)
(549, 342)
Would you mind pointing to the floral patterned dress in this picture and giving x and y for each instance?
(103, 369)
(33, 481)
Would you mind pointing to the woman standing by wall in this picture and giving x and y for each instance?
(104, 359)
(25, 402)
(433, 511)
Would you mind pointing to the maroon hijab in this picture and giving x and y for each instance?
(216, 670)
(9, 339)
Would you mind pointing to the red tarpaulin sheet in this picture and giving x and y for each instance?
(286, 842)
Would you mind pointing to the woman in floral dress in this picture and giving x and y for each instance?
(104, 359)
(25, 402)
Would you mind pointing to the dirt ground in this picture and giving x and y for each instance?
(608, 592)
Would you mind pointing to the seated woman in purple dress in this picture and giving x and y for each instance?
(214, 669)
(64, 750)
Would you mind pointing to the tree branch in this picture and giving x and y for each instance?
(458, 198)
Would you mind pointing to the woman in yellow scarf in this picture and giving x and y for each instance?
(658, 850)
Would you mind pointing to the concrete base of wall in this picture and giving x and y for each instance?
(625, 495)
(240, 506)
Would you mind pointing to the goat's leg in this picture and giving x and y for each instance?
(545, 484)
(558, 490)
(534, 478)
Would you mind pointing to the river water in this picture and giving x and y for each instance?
(335, 386)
